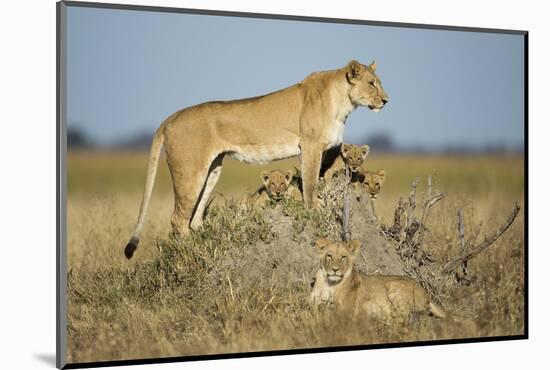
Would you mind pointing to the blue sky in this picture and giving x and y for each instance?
(128, 70)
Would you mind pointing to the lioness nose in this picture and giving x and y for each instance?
(385, 100)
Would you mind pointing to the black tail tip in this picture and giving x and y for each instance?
(131, 248)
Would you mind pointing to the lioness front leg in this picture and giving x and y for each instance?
(311, 164)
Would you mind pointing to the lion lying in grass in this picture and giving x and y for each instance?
(382, 297)
(276, 186)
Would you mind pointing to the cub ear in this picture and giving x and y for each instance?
(353, 246)
(288, 176)
(265, 176)
(382, 175)
(354, 71)
(373, 66)
(365, 150)
(345, 149)
(321, 244)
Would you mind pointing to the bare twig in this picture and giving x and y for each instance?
(373, 210)
(412, 202)
(451, 265)
(345, 213)
(462, 241)
(427, 205)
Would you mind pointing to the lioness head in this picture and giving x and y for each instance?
(337, 258)
(372, 182)
(366, 88)
(276, 183)
(354, 155)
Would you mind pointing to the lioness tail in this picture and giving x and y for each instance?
(156, 146)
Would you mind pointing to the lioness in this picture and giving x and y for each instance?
(276, 186)
(350, 155)
(378, 296)
(372, 182)
(304, 119)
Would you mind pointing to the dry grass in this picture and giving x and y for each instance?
(211, 293)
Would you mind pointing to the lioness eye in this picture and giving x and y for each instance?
(343, 258)
(373, 83)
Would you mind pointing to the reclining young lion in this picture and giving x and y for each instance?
(304, 119)
(383, 297)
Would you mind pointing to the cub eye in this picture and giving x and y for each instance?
(343, 258)
(367, 183)
(378, 184)
(329, 256)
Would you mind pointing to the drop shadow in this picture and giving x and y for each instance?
(47, 358)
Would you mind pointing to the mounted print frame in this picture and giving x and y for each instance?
(239, 184)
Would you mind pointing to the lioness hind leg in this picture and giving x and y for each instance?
(213, 176)
(188, 181)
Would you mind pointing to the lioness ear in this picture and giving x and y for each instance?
(353, 246)
(365, 150)
(321, 244)
(373, 66)
(265, 177)
(288, 176)
(354, 71)
(382, 175)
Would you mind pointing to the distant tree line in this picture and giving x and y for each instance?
(78, 139)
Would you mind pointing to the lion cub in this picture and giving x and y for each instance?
(372, 181)
(377, 296)
(351, 155)
(276, 186)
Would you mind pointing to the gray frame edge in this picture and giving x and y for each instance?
(318, 19)
(61, 186)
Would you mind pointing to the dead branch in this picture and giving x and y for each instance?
(346, 210)
(430, 201)
(412, 202)
(373, 210)
(451, 265)
(462, 241)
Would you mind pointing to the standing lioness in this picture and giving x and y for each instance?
(304, 119)
(381, 297)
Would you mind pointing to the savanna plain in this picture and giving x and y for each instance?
(240, 283)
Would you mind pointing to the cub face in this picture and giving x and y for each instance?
(372, 182)
(354, 155)
(366, 88)
(336, 258)
(276, 183)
